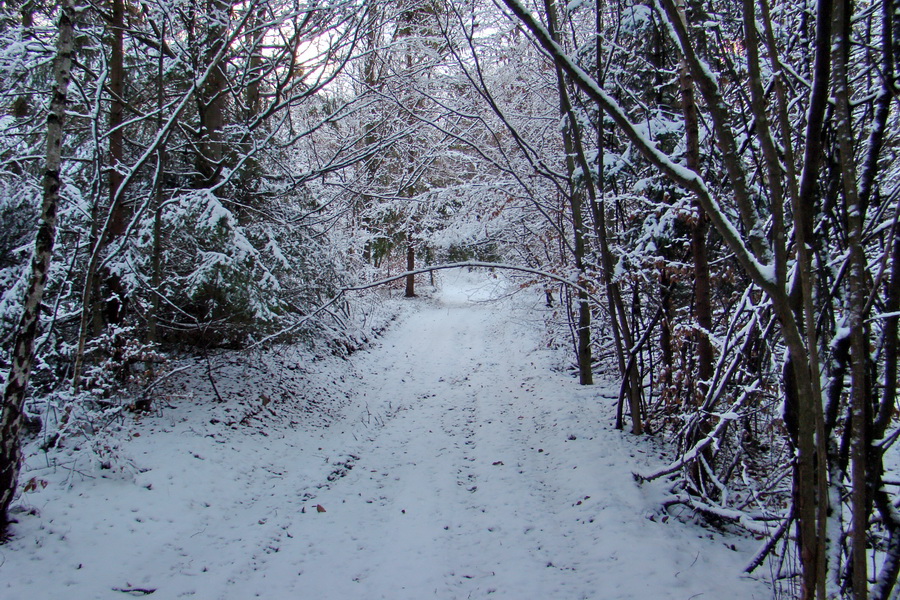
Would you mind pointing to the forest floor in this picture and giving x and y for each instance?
(456, 462)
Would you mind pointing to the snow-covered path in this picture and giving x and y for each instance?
(468, 469)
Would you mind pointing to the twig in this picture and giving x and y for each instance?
(162, 378)
(135, 590)
(767, 548)
(751, 524)
(212, 381)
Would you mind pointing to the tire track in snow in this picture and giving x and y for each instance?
(479, 482)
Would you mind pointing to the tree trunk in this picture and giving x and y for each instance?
(23, 346)
(859, 401)
(698, 226)
(665, 332)
(114, 305)
(410, 266)
(95, 312)
(211, 100)
(576, 201)
(156, 256)
(811, 496)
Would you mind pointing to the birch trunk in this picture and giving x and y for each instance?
(23, 348)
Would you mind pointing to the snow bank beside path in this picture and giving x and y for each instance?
(456, 464)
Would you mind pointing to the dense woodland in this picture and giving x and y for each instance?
(706, 191)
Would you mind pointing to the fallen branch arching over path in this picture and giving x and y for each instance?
(475, 264)
(457, 265)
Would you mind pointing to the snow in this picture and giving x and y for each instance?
(450, 459)
(636, 18)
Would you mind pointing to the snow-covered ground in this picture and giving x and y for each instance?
(456, 464)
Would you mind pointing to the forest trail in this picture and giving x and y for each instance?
(467, 469)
